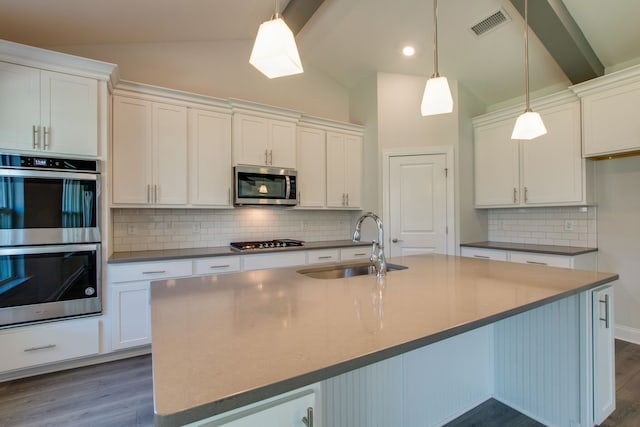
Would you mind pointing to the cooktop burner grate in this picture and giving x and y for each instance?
(266, 244)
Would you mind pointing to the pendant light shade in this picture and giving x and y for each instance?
(437, 95)
(275, 53)
(529, 124)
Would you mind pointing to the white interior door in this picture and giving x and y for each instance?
(417, 204)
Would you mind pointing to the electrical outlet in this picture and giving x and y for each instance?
(131, 229)
(500, 224)
(568, 225)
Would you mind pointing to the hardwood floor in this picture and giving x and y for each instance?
(120, 394)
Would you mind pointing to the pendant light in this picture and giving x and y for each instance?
(529, 124)
(275, 53)
(437, 95)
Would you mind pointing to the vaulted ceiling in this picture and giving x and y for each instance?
(348, 39)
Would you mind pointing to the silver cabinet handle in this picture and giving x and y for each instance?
(229, 195)
(271, 157)
(308, 420)
(156, 190)
(42, 347)
(515, 195)
(481, 256)
(606, 311)
(148, 193)
(536, 263)
(360, 254)
(266, 157)
(220, 266)
(45, 137)
(154, 272)
(347, 199)
(325, 257)
(526, 194)
(36, 133)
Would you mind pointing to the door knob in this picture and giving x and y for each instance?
(396, 240)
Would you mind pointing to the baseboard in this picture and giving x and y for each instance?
(521, 410)
(626, 333)
(72, 364)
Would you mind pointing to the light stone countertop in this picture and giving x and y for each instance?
(527, 247)
(222, 342)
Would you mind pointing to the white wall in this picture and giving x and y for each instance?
(221, 70)
(619, 238)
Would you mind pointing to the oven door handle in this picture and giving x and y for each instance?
(48, 174)
(27, 250)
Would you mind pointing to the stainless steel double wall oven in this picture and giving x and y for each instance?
(50, 260)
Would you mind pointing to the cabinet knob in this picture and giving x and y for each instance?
(308, 420)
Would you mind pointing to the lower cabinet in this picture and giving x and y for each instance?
(359, 253)
(604, 388)
(274, 260)
(131, 315)
(287, 410)
(587, 261)
(41, 344)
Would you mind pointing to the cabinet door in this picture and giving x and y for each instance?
(482, 253)
(131, 151)
(610, 121)
(170, 154)
(131, 316)
(209, 158)
(336, 166)
(353, 171)
(552, 165)
(19, 106)
(250, 140)
(496, 165)
(282, 138)
(311, 167)
(69, 114)
(604, 396)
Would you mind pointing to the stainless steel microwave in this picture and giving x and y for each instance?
(265, 185)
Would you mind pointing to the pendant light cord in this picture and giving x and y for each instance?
(435, 39)
(275, 7)
(526, 54)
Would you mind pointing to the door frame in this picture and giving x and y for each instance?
(448, 152)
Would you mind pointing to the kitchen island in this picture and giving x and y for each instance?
(225, 341)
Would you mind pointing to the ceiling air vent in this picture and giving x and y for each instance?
(491, 22)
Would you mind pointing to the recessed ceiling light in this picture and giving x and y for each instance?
(408, 51)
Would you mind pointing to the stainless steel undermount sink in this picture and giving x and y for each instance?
(341, 271)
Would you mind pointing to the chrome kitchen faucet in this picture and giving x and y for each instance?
(377, 258)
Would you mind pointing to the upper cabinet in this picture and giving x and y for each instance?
(312, 167)
(263, 135)
(149, 153)
(344, 170)
(546, 171)
(209, 158)
(58, 112)
(610, 106)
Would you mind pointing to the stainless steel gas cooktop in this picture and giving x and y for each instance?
(266, 244)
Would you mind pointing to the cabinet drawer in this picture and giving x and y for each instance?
(265, 261)
(157, 270)
(541, 259)
(27, 346)
(357, 253)
(215, 265)
(496, 255)
(323, 256)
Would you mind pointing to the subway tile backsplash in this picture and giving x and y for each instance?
(566, 226)
(156, 229)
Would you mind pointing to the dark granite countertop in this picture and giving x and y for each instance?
(159, 255)
(525, 247)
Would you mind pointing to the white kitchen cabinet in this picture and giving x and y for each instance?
(130, 308)
(604, 390)
(286, 410)
(585, 261)
(216, 265)
(41, 344)
(209, 158)
(610, 105)
(48, 111)
(263, 141)
(149, 152)
(546, 171)
(321, 256)
(273, 260)
(344, 170)
(357, 253)
(311, 163)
